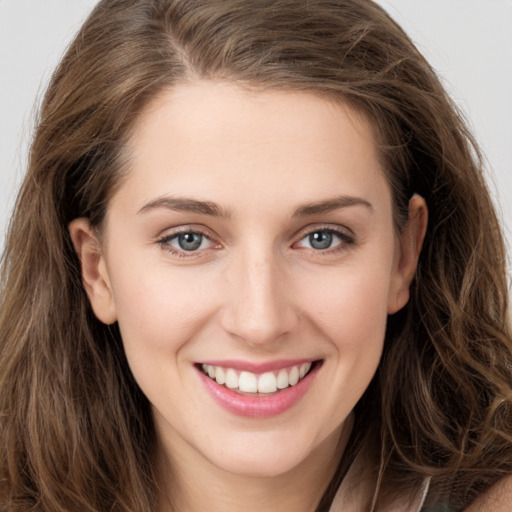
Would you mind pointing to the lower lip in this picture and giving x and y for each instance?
(259, 406)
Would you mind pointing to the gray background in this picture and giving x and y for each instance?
(469, 43)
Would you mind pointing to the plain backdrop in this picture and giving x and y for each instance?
(469, 43)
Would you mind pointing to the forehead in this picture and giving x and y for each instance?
(223, 139)
(243, 110)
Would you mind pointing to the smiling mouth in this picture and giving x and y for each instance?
(264, 384)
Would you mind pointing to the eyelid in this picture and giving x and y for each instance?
(169, 234)
(346, 235)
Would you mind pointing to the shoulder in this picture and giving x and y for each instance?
(497, 499)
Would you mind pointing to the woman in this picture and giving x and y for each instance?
(253, 265)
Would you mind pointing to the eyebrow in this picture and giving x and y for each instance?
(184, 204)
(330, 205)
(210, 208)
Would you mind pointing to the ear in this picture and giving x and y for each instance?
(95, 276)
(410, 243)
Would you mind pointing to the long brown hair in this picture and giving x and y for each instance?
(76, 431)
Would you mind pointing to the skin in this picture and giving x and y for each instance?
(497, 499)
(256, 290)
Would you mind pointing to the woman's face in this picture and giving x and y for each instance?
(251, 260)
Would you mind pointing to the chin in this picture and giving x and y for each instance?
(263, 455)
(258, 466)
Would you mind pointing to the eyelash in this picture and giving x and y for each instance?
(165, 242)
(345, 240)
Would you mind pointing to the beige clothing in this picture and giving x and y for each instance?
(355, 494)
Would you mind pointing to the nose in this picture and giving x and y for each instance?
(260, 310)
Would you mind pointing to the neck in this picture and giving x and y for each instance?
(195, 487)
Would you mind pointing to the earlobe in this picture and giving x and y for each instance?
(93, 267)
(411, 242)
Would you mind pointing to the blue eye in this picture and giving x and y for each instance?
(320, 240)
(186, 242)
(325, 239)
(189, 241)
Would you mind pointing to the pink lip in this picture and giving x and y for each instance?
(257, 406)
(257, 368)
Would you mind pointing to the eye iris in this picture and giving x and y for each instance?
(190, 241)
(320, 240)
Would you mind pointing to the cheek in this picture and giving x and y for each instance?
(347, 319)
(351, 307)
(158, 307)
(159, 312)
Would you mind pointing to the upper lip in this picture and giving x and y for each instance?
(257, 367)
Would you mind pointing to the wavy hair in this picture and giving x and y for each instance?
(76, 431)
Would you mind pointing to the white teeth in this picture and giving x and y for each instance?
(231, 379)
(220, 375)
(248, 382)
(267, 383)
(293, 378)
(304, 368)
(282, 379)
